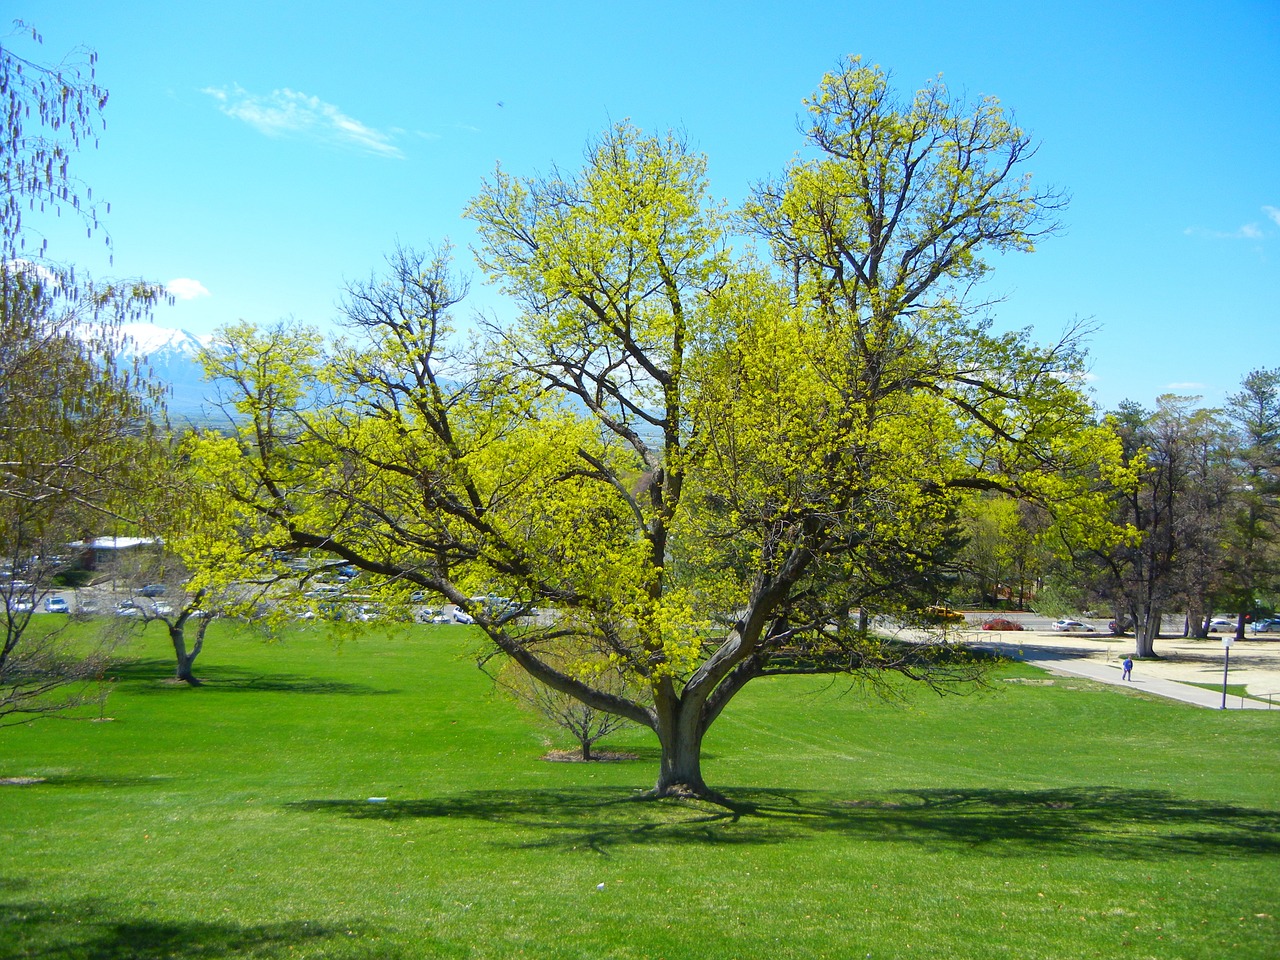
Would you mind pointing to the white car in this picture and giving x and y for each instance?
(1072, 626)
(1220, 624)
(456, 615)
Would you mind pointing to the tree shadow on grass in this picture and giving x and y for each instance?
(156, 676)
(1100, 821)
(92, 931)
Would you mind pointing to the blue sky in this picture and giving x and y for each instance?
(265, 153)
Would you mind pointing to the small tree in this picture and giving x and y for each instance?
(213, 563)
(176, 605)
(559, 710)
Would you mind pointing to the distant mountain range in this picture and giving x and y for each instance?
(173, 358)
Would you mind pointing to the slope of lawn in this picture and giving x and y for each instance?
(373, 799)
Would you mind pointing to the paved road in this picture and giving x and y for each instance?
(1060, 661)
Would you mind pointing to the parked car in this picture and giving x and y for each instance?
(1072, 626)
(456, 615)
(1002, 623)
(22, 605)
(1268, 625)
(153, 590)
(56, 605)
(127, 608)
(1221, 624)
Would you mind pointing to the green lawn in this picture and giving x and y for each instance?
(1235, 692)
(1045, 819)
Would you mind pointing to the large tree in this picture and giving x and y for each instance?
(75, 439)
(702, 467)
(74, 422)
(1252, 558)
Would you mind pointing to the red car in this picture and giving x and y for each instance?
(1001, 623)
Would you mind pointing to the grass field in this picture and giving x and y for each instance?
(1048, 818)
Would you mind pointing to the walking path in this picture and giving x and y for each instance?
(1254, 663)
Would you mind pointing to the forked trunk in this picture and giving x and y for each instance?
(1145, 633)
(680, 769)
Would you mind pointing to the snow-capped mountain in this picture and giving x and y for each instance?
(147, 339)
(173, 358)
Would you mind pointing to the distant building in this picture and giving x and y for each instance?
(99, 550)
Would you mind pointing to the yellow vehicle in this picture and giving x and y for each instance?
(940, 613)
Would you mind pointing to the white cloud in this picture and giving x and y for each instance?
(184, 288)
(1249, 231)
(1184, 386)
(286, 112)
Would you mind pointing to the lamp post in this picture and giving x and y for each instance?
(1227, 641)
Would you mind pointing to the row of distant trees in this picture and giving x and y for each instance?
(1203, 524)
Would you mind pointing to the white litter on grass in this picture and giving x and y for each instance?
(599, 886)
(377, 800)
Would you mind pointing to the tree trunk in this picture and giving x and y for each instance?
(680, 770)
(1145, 633)
(1197, 622)
(185, 660)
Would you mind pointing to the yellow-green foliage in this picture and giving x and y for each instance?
(685, 455)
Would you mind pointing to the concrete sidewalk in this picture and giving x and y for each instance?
(1059, 661)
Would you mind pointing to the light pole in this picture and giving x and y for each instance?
(1227, 641)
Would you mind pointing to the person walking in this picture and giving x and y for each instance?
(1128, 669)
